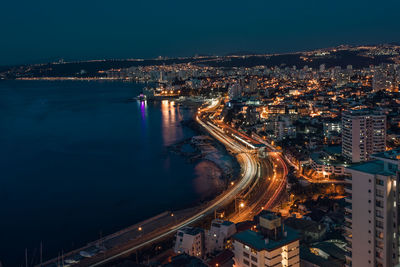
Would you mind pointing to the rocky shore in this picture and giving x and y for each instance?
(205, 148)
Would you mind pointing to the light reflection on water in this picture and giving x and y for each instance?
(143, 112)
(170, 117)
(208, 176)
(78, 159)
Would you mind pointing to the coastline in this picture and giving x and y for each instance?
(102, 106)
(151, 227)
(202, 148)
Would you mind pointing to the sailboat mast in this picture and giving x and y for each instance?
(41, 253)
(26, 257)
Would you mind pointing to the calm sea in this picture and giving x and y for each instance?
(77, 159)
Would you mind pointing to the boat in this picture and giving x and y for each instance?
(86, 254)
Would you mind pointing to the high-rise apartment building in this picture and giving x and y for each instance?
(272, 245)
(372, 219)
(363, 134)
(235, 91)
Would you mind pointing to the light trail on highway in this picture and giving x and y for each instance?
(248, 163)
(275, 185)
(308, 179)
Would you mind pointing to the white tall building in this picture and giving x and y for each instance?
(218, 234)
(283, 127)
(235, 91)
(372, 220)
(274, 245)
(253, 85)
(190, 240)
(363, 134)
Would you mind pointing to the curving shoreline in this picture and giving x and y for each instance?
(249, 173)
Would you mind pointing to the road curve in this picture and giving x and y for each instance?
(248, 164)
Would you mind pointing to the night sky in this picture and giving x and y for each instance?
(45, 30)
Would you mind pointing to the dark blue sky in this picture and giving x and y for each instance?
(43, 30)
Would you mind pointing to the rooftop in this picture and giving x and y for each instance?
(363, 112)
(218, 223)
(307, 255)
(333, 149)
(256, 240)
(390, 154)
(227, 223)
(190, 231)
(185, 260)
(305, 225)
(222, 258)
(269, 215)
(331, 249)
(372, 167)
(321, 159)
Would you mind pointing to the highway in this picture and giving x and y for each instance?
(253, 169)
(274, 185)
(248, 162)
(296, 167)
(274, 178)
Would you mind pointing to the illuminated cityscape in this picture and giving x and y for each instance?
(317, 150)
(162, 146)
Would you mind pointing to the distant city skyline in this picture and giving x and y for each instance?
(43, 31)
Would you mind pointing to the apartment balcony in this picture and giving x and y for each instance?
(348, 263)
(348, 188)
(348, 237)
(378, 238)
(348, 255)
(348, 217)
(349, 208)
(348, 227)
